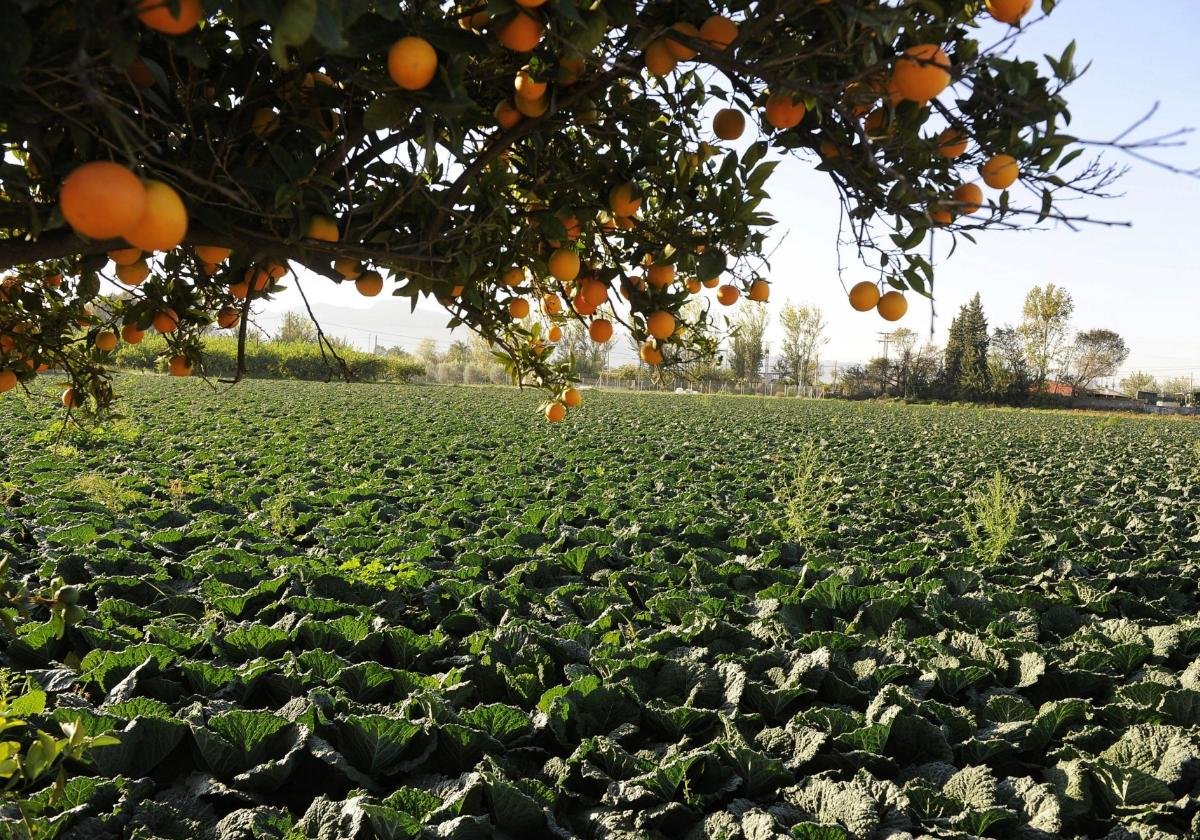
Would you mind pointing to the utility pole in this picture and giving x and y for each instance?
(885, 338)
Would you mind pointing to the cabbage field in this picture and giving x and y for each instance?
(329, 611)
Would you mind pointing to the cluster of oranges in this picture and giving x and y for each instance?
(866, 296)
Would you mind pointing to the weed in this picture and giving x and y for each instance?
(103, 491)
(991, 519)
(806, 496)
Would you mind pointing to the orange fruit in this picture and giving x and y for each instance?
(729, 123)
(711, 282)
(456, 291)
(212, 254)
(321, 227)
(531, 4)
(594, 291)
(600, 330)
(518, 308)
(551, 304)
(125, 256)
(513, 277)
(164, 220)
(106, 341)
(348, 268)
(623, 200)
(130, 334)
(660, 276)
(783, 112)
(921, 73)
(952, 143)
(728, 295)
(555, 412)
(680, 50)
(166, 321)
(719, 31)
(506, 114)
(564, 265)
(102, 200)
(661, 325)
(940, 216)
(693, 286)
(650, 354)
(54, 281)
(864, 296)
(133, 274)
(828, 150)
(179, 366)
(369, 283)
(157, 15)
(8, 380)
(659, 59)
(228, 317)
(527, 86)
(68, 398)
(240, 290)
(532, 107)
(571, 398)
(760, 291)
(581, 306)
(892, 306)
(1001, 172)
(570, 68)
(1009, 11)
(522, 32)
(412, 62)
(969, 198)
(878, 124)
(555, 333)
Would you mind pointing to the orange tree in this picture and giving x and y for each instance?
(521, 162)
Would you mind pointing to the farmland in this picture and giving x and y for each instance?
(371, 611)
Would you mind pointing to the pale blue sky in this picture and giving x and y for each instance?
(1143, 282)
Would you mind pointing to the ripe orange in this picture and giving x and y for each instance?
(729, 123)
(133, 274)
(522, 33)
(125, 256)
(555, 412)
(130, 334)
(581, 306)
(157, 15)
(527, 86)
(164, 220)
(1009, 11)
(531, 4)
(412, 63)
(828, 150)
(650, 354)
(660, 276)
(518, 308)
(661, 325)
(258, 277)
(711, 282)
(719, 32)
(212, 254)
(570, 68)
(532, 107)
(680, 50)
(659, 59)
(951, 143)
(878, 124)
(728, 295)
(506, 114)
(594, 291)
(228, 317)
(760, 291)
(54, 281)
(600, 330)
(68, 398)
(572, 398)
(348, 268)
(8, 380)
(239, 290)
(106, 341)
(369, 283)
(783, 112)
(102, 200)
(564, 265)
(892, 306)
(921, 73)
(323, 228)
(513, 277)
(693, 286)
(940, 216)
(623, 200)
(166, 321)
(864, 296)
(969, 198)
(555, 333)
(1001, 172)
(456, 291)
(551, 304)
(179, 366)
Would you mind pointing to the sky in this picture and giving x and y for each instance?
(1142, 281)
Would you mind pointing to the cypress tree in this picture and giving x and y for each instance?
(974, 380)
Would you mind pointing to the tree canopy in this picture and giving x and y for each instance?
(522, 163)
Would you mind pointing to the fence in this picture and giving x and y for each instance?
(708, 386)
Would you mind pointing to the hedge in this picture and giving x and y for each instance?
(272, 360)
